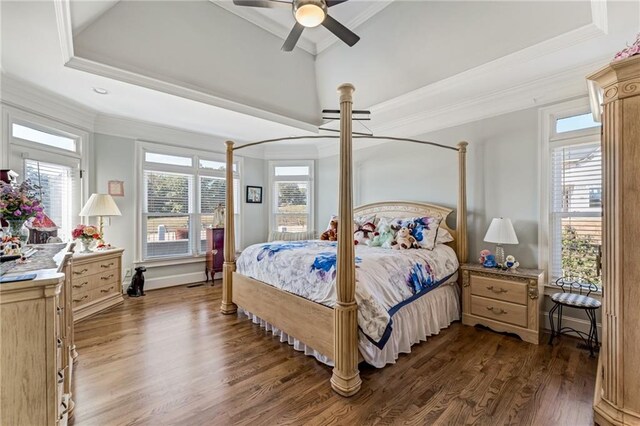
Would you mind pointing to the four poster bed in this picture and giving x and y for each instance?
(322, 315)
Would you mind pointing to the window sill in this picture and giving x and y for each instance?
(170, 261)
(550, 289)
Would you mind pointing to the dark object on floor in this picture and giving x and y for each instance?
(572, 296)
(136, 289)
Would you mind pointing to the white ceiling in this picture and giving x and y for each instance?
(420, 65)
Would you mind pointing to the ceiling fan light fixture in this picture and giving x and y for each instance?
(310, 13)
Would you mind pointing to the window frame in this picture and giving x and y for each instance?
(19, 150)
(273, 179)
(550, 139)
(195, 254)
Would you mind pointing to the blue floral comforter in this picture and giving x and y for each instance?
(386, 279)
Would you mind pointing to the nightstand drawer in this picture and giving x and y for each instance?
(494, 288)
(499, 311)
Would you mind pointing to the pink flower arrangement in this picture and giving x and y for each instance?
(19, 202)
(85, 233)
(629, 51)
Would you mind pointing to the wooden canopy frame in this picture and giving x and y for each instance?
(333, 331)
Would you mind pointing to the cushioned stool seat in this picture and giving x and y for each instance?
(576, 300)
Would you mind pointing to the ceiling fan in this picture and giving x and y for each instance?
(308, 14)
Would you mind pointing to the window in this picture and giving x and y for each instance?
(48, 154)
(292, 195)
(181, 194)
(45, 138)
(57, 185)
(575, 198)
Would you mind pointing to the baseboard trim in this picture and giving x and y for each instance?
(576, 323)
(173, 280)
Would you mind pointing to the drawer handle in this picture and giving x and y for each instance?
(107, 265)
(106, 290)
(80, 272)
(498, 290)
(497, 311)
(59, 310)
(60, 376)
(107, 277)
(80, 285)
(59, 343)
(81, 299)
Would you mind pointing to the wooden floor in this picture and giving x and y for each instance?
(171, 358)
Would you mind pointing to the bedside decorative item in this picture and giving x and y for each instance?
(500, 232)
(87, 235)
(254, 194)
(100, 205)
(218, 217)
(116, 188)
(511, 263)
(490, 261)
(483, 256)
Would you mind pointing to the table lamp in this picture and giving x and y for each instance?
(501, 232)
(100, 205)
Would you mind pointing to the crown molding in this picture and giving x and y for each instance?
(65, 28)
(27, 97)
(265, 23)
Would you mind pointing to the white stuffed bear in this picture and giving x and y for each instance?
(404, 239)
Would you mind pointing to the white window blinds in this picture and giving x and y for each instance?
(576, 210)
(59, 188)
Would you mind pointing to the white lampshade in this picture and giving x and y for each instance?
(100, 205)
(501, 232)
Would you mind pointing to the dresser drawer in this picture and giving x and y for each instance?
(103, 291)
(85, 269)
(495, 288)
(499, 311)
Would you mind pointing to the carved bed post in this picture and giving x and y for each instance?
(227, 306)
(346, 377)
(461, 214)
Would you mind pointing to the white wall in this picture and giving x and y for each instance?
(115, 160)
(502, 177)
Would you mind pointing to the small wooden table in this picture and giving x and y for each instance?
(505, 301)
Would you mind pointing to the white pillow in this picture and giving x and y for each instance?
(444, 236)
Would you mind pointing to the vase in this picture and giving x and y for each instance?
(86, 245)
(18, 230)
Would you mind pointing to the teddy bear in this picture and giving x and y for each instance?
(404, 239)
(331, 234)
(362, 235)
(483, 255)
(383, 236)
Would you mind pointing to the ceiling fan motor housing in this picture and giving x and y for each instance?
(310, 13)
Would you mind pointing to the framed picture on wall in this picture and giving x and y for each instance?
(254, 194)
(116, 188)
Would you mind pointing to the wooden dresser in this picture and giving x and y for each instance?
(215, 248)
(506, 301)
(96, 282)
(32, 351)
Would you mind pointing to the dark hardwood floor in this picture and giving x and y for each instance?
(171, 358)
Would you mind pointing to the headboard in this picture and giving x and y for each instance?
(391, 209)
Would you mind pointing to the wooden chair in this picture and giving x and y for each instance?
(575, 294)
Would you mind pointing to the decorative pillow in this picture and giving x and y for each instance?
(423, 229)
(444, 236)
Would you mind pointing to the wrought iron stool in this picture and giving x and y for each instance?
(572, 296)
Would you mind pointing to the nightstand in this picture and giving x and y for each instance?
(505, 301)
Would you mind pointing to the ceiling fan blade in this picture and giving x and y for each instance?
(270, 4)
(342, 32)
(334, 2)
(293, 38)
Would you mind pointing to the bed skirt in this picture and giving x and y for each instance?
(412, 324)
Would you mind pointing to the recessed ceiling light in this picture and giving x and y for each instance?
(100, 91)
